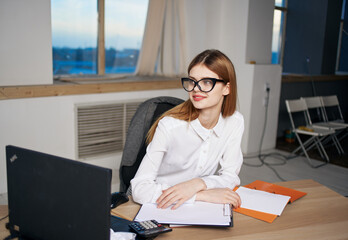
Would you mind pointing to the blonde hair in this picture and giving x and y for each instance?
(218, 63)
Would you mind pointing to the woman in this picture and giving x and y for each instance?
(194, 151)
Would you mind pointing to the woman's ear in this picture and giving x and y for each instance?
(226, 89)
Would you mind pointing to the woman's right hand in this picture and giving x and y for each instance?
(180, 193)
(220, 195)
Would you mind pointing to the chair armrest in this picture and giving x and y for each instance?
(118, 198)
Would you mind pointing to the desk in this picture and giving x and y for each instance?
(321, 214)
(3, 212)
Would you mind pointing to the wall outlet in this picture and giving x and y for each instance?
(265, 99)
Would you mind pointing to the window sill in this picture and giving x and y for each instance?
(292, 78)
(90, 86)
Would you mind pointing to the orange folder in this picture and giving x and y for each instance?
(271, 188)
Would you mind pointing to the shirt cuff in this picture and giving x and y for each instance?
(192, 200)
(208, 183)
(158, 192)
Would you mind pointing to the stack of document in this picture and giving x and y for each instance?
(265, 201)
(198, 213)
(261, 200)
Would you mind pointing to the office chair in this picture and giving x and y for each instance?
(135, 145)
(317, 118)
(316, 134)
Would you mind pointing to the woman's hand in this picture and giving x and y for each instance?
(180, 193)
(220, 195)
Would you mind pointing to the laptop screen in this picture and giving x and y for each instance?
(50, 197)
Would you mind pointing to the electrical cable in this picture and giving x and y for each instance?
(263, 157)
(312, 81)
(4, 217)
(344, 31)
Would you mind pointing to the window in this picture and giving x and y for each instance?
(278, 31)
(342, 51)
(96, 36)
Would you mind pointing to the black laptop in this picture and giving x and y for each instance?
(51, 197)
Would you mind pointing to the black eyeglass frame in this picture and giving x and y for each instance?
(197, 83)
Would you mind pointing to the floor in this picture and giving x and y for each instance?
(331, 150)
(332, 176)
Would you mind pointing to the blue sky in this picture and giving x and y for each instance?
(74, 23)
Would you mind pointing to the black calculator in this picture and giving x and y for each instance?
(148, 229)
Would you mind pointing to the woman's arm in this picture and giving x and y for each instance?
(180, 193)
(219, 195)
(144, 186)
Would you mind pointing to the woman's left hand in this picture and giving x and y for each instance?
(180, 193)
(220, 195)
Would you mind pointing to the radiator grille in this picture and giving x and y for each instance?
(102, 128)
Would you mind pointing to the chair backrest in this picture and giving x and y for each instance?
(297, 106)
(313, 102)
(315, 109)
(332, 108)
(330, 101)
(135, 145)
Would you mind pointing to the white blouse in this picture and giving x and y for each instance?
(181, 151)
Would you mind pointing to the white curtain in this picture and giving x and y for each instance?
(163, 50)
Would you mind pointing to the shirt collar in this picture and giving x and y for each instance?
(205, 133)
(219, 127)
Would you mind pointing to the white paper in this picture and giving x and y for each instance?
(262, 201)
(121, 235)
(198, 213)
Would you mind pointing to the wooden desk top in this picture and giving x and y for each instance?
(321, 214)
(3, 213)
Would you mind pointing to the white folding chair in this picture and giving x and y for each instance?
(316, 134)
(333, 113)
(317, 118)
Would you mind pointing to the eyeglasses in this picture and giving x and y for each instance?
(204, 85)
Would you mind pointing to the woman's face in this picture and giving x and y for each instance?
(207, 100)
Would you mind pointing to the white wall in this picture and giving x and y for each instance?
(259, 33)
(25, 44)
(252, 105)
(217, 24)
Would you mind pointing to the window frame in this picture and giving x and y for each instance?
(283, 10)
(100, 62)
(101, 38)
(339, 44)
